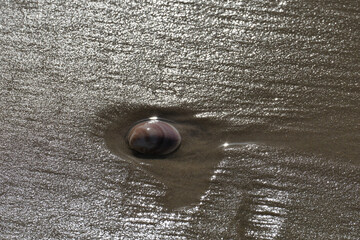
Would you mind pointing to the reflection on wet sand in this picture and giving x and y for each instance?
(279, 77)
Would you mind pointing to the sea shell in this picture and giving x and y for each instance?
(153, 137)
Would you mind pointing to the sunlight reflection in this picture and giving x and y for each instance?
(226, 144)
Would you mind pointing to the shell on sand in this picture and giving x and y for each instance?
(153, 137)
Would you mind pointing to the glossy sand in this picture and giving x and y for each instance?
(265, 93)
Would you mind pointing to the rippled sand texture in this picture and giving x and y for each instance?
(279, 79)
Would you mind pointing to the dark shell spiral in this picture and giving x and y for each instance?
(153, 137)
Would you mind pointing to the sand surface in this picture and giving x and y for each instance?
(265, 94)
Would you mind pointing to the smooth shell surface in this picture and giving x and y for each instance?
(153, 137)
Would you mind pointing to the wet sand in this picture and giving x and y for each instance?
(265, 94)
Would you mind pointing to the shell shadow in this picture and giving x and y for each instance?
(186, 172)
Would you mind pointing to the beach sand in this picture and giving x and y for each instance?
(265, 94)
